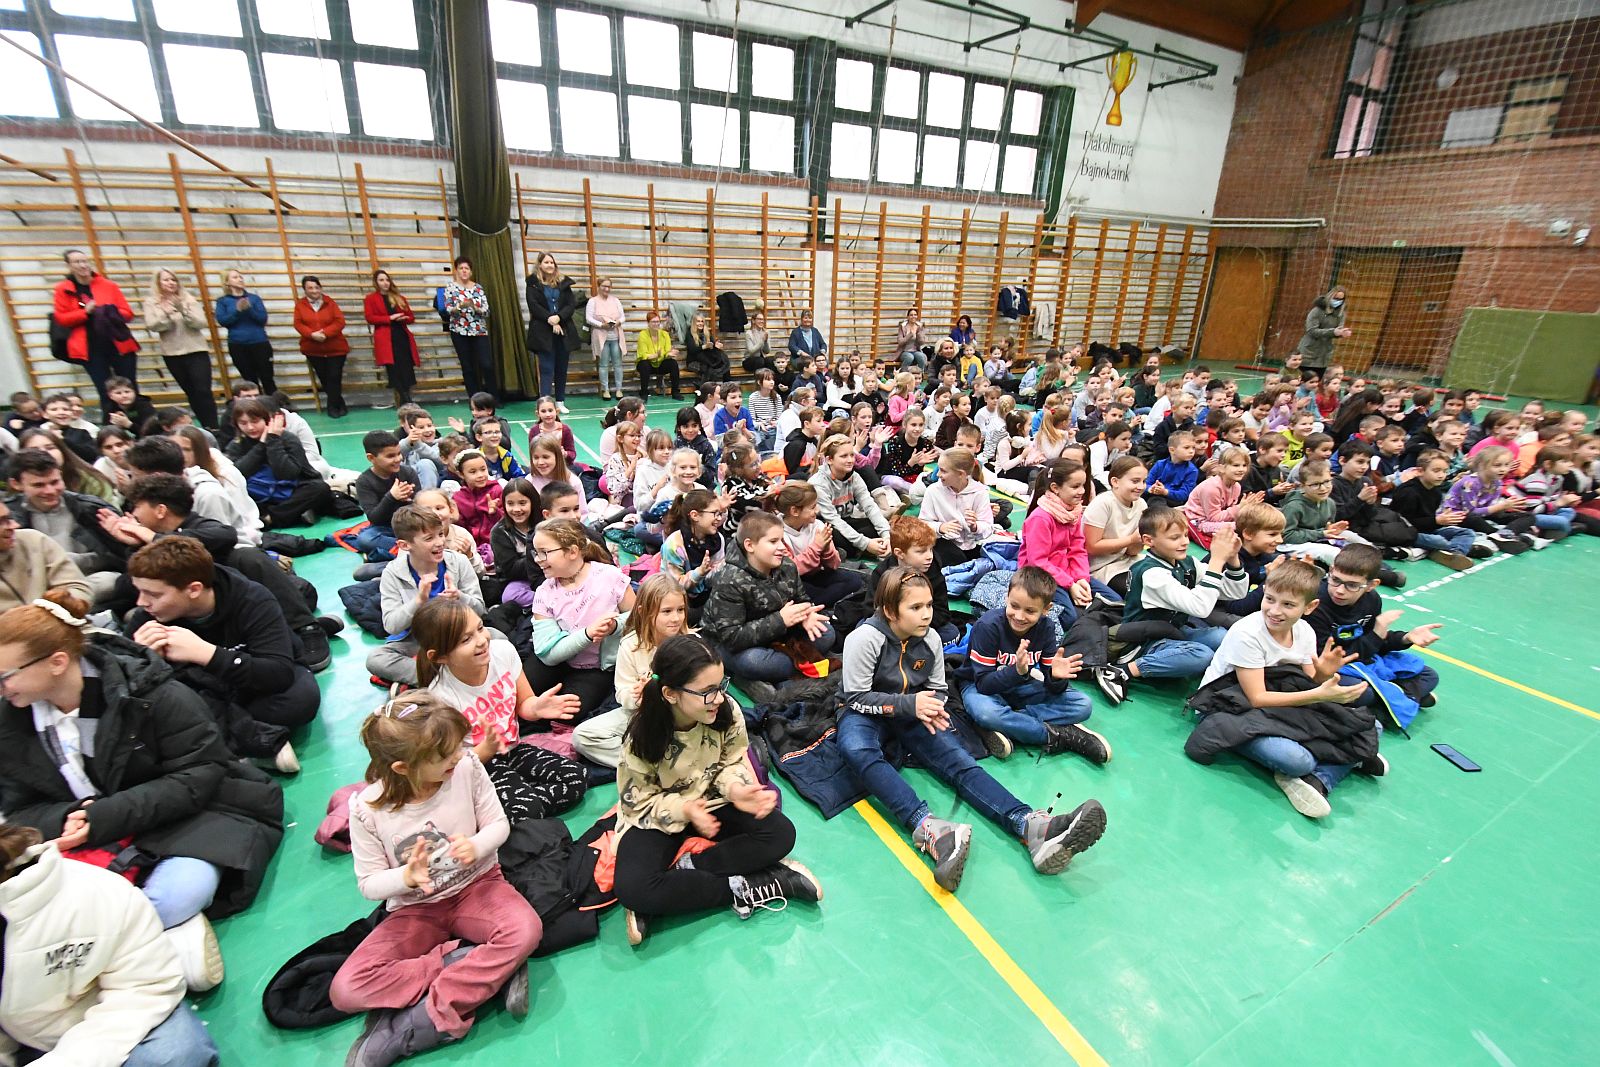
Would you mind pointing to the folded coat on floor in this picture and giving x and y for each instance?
(1332, 733)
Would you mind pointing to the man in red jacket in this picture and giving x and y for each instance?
(95, 315)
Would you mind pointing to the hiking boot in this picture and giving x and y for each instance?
(638, 928)
(1305, 794)
(948, 844)
(1374, 766)
(1509, 543)
(772, 888)
(1078, 740)
(1454, 560)
(199, 955)
(998, 744)
(1052, 840)
(314, 652)
(393, 1034)
(1113, 682)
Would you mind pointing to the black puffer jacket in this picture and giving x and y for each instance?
(743, 610)
(1333, 733)
(165, 777)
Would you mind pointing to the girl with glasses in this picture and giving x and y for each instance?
(578, 611)
(686, 775)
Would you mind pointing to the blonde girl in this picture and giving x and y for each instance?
(845, 504)
(900, 400)
(1215, 502)
(661, 611)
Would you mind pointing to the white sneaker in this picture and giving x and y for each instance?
(561, 406)
(198, 953)
(1306, 798)
(1536, 543)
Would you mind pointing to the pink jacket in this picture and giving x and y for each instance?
(1211, 506)
(480, 509)
(1056, 546)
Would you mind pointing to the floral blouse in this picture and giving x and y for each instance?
(468, 307)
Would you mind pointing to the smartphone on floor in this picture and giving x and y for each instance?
(1461, 762)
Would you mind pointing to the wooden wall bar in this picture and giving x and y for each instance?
(1089, 279)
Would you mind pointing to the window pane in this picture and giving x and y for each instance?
(772, 71)
(651, 51)
(988, 102)
(939, 158)
(946, 95)
(1020, 163)
(655, 128)
(394, 101)
(514, 32)
(25, 87)
(852, 151)
(852, 85)
(713, 63)
(211, 86)
(118, 68)
(771, 142)
(1026, 108)
(305, 93)
(897, 156)
(583, 41)
(525, 116)
(983, 166)
(217, 17)
(384, 22)
(294, 18)
(901, 92)
(714, 135)
(121, 10)
(589, 122)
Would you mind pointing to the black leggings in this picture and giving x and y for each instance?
(329, 372)
(592, 685)
(402, 377)
(829, 585)
(646, 881)
(535, 783)
(477, 362)
(311, 495)
(946, 553)
(192, 372)
(665, 372)
(1508, 520)
(253, 361)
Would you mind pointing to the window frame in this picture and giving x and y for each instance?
(1370, 30)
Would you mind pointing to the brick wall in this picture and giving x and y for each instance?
(1494, 203)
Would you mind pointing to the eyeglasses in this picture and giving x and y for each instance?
(709, 695)
(1316, 485)
(540, 554)
(6, 676)
(1346, 584)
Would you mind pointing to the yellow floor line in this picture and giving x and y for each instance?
(1557, 701)
(1015, 977)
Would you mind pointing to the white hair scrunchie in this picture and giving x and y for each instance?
(62, 613)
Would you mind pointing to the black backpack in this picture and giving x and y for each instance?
(58, 340)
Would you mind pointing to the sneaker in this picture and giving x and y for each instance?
(285, 761)
(1113, 682)
(638, 928)
(1537, 543)
(515, 992)
(1454, 560)
(383, 403)
(1481, 549)
(1052, 840)
(368, 571)
(1307, 799)
(392, 1035)
(314, 652)
(1414, 554)
(771, 889)
(198, 953)
(948, 844)
(1427, 700)
(1374, 766)
(1392, 578)
(1078, 740)
(998, 744)
(561, 406)
(331, 625)
(1509, 543)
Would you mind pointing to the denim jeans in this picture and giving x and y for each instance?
(770, 665)
(1188, 658)
(376, 544)
(1557, 522)
(429, 473)
(1021, 713)
(610, 360)
(180, 1040)
(181, 888)
(861, 739)
(766, 441)
(553, 371)
(1069, 610)
(1292, 760)
(1447, 539)
(913, 360)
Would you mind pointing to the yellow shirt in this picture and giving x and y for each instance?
(653, 346)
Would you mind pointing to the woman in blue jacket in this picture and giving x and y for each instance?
(245, 317)
(893, 689)
(963, 333)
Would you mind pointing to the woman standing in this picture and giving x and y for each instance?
(466, 310)
(178, 322)
(320, 323)
(757, 345)
(609, 343)
(703, 347)
(551, 334)
(95, 314)
(393, 347)
(244, 316)
(909, 341)
(1324, 323)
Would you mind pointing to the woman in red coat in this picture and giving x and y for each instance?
(320, 324)
(95, 315)
(393, 347)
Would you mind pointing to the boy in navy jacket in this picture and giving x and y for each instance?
(1014, 679)
(1171, 480)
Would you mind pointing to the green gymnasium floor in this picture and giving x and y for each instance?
(1444, 917)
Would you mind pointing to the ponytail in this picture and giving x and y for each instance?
(677, 517)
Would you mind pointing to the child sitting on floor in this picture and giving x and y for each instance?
(421, 570)
(810, 544)
(692, 551)
(1216, 501)
(456, 537)
(957, 507)
(911, 544)
(660, 611)
(503, 465)
(1172, 479)
(478, 501)
(577, 612)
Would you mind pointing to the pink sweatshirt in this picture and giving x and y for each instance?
(1211, 506)
(1056, 546)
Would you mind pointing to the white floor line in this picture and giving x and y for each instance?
(1451, 577)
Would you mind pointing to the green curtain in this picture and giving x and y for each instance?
(483, 187)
